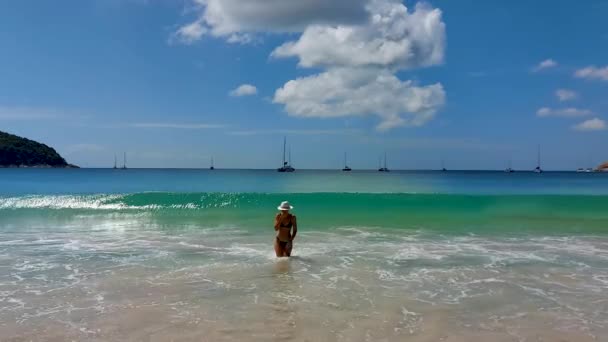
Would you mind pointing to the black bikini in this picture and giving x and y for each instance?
(283, 244)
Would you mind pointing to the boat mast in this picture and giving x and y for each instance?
(345, 163)
(124, 163)
(114, 160)
(385, 160)
(538, 157)
(284, 146)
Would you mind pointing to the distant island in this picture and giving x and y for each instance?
(16, 151)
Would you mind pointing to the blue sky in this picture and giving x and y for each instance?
(471, 82)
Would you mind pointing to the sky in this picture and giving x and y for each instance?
(175, 82)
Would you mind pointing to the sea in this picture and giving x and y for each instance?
(187, 255)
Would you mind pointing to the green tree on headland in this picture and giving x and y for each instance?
(21, 152)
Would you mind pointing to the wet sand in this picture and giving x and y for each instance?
(135, 278)
(307, 298)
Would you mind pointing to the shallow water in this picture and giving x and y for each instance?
(367, 267)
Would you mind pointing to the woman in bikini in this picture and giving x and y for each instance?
(286, 226)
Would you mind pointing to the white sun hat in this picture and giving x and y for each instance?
(285, 206)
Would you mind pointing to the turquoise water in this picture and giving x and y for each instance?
(187, 254)
(94, 181)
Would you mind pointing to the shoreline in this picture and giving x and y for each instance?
(131, 279)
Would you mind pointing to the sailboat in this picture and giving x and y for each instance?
(588, 169)
(509, 169)
(289, 167)
(538, 169)
(346, 168)
(211, 167)
(286, 165)
(124, 163)
(443, 169)
(384, 169)
(115, 166)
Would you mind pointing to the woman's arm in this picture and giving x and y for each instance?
(276, 222)
(295, 228)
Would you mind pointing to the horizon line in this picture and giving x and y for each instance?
(315, 169)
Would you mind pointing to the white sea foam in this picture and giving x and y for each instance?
(394, 278)
(62, 202)
(93, 202)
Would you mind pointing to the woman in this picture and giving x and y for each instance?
(286, 226)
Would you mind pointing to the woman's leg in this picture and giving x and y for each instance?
(288, 248)
(278, 249)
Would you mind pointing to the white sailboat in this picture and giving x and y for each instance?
(538, 169)
(385, 168)
(588, 169)
(286, 164)
(124, 162)
(509, 169)
(346, 168)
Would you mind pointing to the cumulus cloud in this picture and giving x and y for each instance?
(236, 20)
(546, 64)
(393, 37)
(360, 62)
(341, 92)
(359, 45)
(190, 33)
(244, 90)
(563, 112)
(594, 124)
(565, 94)
(593, 72)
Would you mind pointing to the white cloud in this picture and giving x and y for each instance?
(244, 90)
(29, 113)
(546, 64)
(360, 44)
(594, 124)
(174, 125)
(563, 112)
(296, 132)
(593, 72)
(360, 61)
(445, 143)
(342, 92)
(236, 20)
(565, 95)
(392, 37)
(190, 33)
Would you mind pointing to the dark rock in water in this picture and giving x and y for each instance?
(21, 152)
